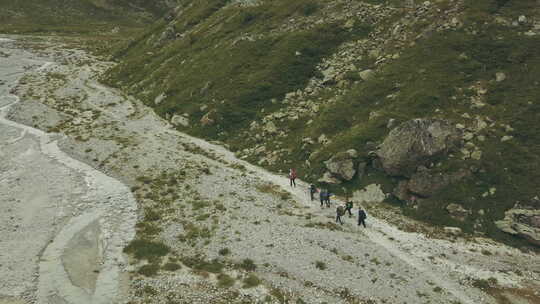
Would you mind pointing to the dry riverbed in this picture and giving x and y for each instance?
(90, 172)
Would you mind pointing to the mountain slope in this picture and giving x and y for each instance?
(294, 84)
(80, 15)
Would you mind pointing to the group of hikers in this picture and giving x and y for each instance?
(324, 197)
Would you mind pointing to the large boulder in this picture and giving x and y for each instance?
(342, 166)
(415, 143)
(523, 221)
(426, 183)
(370, 194)
(328, 178)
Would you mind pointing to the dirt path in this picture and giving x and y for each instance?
(76, 266)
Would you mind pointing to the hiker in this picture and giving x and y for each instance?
(327, 198)
(339, 213)
(361, 217)
(292, 177)
(322, 196)
(312, 191)
(348, 206)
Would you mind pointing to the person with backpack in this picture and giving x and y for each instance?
(292, 177)
(339, 212)
(361, 217)
(327, 198)
(312, 191)
(348, 206)
(322, 196)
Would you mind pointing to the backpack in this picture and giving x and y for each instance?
(292, 174)
(362, 214)
(349, 204)
(340, 210)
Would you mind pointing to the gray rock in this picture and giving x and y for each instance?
(209, 118)
(352, 153)
(500, 76)
(323, 140)
(329, 75)
(270, 128)
(426, 183)
(453, 230)
(361, 169)
(329, 179)
(457, 211)
(416, 142)
(523, 221)
(402, 191)
(366, 74)
(341, 166)
(168, 34)
(180, 120)
(391, 123)
(160, 98)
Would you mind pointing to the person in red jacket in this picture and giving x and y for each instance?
(292, 177)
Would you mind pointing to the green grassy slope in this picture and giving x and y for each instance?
(75, 16)
(237, 63)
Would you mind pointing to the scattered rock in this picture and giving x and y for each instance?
(414, 143)
(522, 221)
(209, 118)
(391, 123)
(476, 155)
(366, 75)
(180, 120)
(270, 128)
(500, 76)
(506, 138)
(160, 98)
(457, 211)
(329, 179)
(453, 230)
(323, 140)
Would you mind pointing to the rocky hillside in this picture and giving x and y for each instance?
(77, 15)
(434, 101)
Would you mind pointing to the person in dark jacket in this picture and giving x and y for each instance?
(339, 212)
(312, 191)
(349, 206)
(361, 217)
(322, 196)
(327, 198)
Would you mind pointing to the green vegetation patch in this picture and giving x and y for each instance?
(145, 249)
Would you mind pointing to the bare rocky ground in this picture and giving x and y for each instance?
(209, 228)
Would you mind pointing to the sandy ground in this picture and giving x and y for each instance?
(62, 237)
(76, 220)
